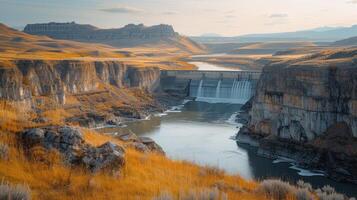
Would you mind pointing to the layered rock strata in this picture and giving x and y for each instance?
(29, 78)
(306, 109)
(85, 32)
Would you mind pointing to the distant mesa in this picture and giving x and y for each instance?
(74, 31)
(127, 36)
(211, 35)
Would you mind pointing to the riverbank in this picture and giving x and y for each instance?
(144, 175)
(202, 134)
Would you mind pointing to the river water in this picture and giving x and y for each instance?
(201, 132)
(204, 66)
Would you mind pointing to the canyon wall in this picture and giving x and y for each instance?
(306, 109)
(28, 78)
(300, 102)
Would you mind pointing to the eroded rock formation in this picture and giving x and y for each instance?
(28, 78)
(301, 101)
(306, 109)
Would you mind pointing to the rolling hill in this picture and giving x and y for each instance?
(18, 45)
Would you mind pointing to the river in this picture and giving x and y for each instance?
(205, 66)
(201, 132)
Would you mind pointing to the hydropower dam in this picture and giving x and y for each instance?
(211, 86)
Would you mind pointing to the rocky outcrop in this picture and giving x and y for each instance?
(142, 144)
(306, 109)
(28, 78)
(70, 143)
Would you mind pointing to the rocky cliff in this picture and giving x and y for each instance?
(309, 105)
(301, 100)
(25, 79)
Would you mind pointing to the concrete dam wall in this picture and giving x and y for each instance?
(211, 86)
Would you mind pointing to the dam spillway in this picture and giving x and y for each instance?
(211, 86)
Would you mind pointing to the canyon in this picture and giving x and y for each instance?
(303, 108)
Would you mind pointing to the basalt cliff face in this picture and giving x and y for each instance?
(30, 78)
(307, 109)
(301, 102)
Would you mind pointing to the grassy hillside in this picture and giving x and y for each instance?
(18, 45)
(144, 175)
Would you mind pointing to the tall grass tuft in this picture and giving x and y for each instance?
(204, 194)
(329, 193)
(275, 189)
(17, 192)
(303, 185)
(4, 151)
(303, 194)
(164, 196)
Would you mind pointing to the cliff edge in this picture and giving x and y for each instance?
(307, 109)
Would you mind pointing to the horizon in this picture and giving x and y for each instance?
(227, 18)
(212, 34)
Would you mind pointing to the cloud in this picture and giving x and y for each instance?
(278, 15)
(121, 9)
(230, 11)
(210, 10)
(170, 13)
(230, 16)
(352, 1)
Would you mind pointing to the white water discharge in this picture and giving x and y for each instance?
(237, 91)
(218, 89)
(199, 91)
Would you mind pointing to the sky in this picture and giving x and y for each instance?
(189, 17)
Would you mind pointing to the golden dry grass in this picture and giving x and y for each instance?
(143, 177)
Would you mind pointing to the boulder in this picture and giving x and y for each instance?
(108, 156)
(139, 147)
(128, 136)
(33, 137)
(151, 144)
(70, 143)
